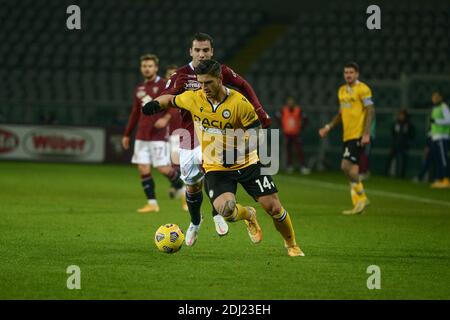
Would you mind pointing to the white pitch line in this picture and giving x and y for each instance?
(336, 186)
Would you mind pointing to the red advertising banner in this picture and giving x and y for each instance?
(52, 143)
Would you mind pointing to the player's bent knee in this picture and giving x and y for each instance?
(165, 170)
(227, 208)
(273, 208)
(194, 188)
(144, 169)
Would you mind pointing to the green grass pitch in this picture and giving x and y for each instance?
(56, 215)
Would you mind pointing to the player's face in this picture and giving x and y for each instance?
(436, 98)
(201, 50)
(210, 85)
(170, 72)
(149, 69)
(350, 75)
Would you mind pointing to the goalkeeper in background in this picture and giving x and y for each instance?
(356, 113)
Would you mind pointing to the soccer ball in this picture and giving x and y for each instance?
(169, 238)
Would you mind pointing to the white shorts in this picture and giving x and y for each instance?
(191, 165)
(156, 153)
(175, 149)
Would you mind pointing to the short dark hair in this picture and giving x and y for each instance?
(211, 67)
(150, 56)
(437, 91)
(200, 36)
(353, 65)
(171, 66)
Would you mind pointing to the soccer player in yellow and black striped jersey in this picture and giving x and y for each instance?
(219, 113)
(356, 113)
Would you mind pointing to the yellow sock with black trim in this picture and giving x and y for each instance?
(358, 189)
(283, 224)
(239, 213)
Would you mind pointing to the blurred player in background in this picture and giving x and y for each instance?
(190, 152)
(293, 121)
(425, 173)
(440, 135)
(174, 138)
(364, 159)
(403, 133)
(356, 114)
(175, 122)
(151, 145)
(217, 109)
(170, 70)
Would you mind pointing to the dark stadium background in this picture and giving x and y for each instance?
(75, 87)
(52, 75)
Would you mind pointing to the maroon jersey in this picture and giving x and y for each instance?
(188, 79)
(175, 121)
(144, 93)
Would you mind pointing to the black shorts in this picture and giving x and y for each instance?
(352, 150)
(256, 185)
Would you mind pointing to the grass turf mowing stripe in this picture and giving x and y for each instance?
(336, 186)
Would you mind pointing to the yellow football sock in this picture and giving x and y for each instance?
(239, 213)
(283, 224)
(354, 196)
(358, 188)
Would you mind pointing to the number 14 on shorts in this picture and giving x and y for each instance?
(265, 185)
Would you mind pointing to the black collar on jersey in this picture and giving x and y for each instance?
(217, 107)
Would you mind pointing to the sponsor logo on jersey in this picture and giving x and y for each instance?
(206, 123)
(155, 90)
(8, 141)
(192, 85)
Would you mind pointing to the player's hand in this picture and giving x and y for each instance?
(161, 123)
(151, 108)
(324, 131)
(126, 143)
(264, 118)
(365, 140)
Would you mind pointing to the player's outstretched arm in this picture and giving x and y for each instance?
(325, 129)
(157, 105)
(230, 78)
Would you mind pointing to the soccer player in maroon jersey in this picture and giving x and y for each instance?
(174, 138)
(151, 145)
(190, 151)
(170, 70)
